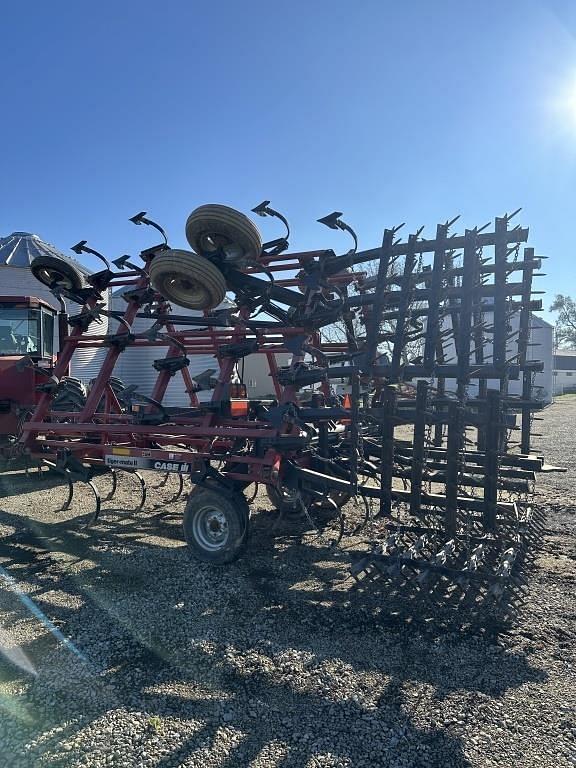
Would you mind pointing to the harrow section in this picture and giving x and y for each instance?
(398, 395)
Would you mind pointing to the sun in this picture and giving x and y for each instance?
(570, 103)
(563, 105)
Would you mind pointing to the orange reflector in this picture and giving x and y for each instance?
(348, 405)
(239, 407)
(275, 472)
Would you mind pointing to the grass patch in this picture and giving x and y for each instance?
(155, 724)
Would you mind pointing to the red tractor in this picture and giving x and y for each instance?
(27, 357)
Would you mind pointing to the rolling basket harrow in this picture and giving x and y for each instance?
(396, 404)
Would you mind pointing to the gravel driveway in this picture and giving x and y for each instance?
(271, 661)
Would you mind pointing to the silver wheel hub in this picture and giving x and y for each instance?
(210, 528)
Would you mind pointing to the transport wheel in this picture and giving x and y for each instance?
(187, 279)
(216, 525)
(211, 229)
(54, 272)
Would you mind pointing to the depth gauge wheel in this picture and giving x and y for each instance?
(285, 501)
(212, 229)
(216, 525)
(187, 279)
(55, 272)
(340, 498)
(288, 504)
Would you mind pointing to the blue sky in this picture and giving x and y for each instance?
(388, 111)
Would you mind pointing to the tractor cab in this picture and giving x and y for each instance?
(26, 357)
(26, 327)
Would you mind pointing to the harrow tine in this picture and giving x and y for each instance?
(341, 524)
(440, 558)
(451, 222)
(471, 566)
(368, 517)
(509, 216)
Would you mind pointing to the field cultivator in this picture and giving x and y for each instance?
(396, 404)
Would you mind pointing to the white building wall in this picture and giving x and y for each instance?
(135, 366)
(257, 377)
(564, 380)
(541, 348)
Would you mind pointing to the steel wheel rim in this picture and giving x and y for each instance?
(213, 242)
(54, 277)
(210, 528)
(183, 288)
(289, 496)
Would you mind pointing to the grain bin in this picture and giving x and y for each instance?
(16, 253)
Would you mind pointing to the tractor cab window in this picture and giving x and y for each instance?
(19, 331)
(47, 333)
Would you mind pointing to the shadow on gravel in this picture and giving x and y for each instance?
(270, 653)
(13, 482)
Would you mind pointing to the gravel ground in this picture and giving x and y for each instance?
(271, 661)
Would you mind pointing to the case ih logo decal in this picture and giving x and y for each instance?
(138, 462)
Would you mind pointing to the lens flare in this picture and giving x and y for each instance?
(563, 107)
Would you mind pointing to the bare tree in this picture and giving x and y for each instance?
(337, 332)
(565, 306)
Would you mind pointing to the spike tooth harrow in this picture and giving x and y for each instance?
(433, 457)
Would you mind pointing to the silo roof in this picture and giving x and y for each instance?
(20, 248)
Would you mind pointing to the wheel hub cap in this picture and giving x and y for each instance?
(211, 528)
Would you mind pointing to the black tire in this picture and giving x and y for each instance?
(211, 229)
(285, 502)
(216, 525)
(55, 272)
(116, 385)
(340, 498)
(71, 395)
(187, 279)
(289, 506)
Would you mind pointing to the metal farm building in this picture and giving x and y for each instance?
(136, 366)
